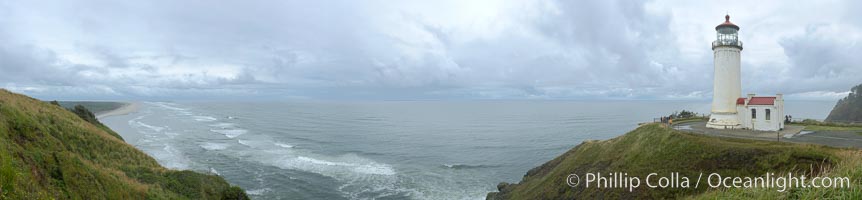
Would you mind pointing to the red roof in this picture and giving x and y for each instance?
(761, 101)
(727, 23)
(740, 101)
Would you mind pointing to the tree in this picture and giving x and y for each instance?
(85, 114)
(848, 109)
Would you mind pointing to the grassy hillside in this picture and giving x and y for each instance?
(48, 152)
(655, 148)
(83, 111)
(848, 109)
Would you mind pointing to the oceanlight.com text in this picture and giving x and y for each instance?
(780, 182)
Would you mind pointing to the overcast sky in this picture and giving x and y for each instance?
(477, 49)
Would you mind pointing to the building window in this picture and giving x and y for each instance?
(753, 113)
(767, 114)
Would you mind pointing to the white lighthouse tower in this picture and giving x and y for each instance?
(727, 85)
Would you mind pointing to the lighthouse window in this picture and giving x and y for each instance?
(767, 114)
(753, 113)
(727, 36)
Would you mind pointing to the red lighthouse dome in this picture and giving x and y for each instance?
(727, 23)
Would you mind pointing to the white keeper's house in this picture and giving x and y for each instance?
(729, 109)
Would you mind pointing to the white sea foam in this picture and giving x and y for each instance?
(151, 127)
(204, 118)
(171, 134)
(223, 125)
(466, 166)
(230, 133)
(170, 157)
(257, 192)
(333, 168)
(170, 106)
(283, 145)
(139, 117)
(361, 176)
(213, 146)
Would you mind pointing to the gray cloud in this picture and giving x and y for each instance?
(417, 50)
(821, 60)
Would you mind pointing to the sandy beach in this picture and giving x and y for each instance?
(129, 107)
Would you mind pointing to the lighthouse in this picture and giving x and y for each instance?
(727, 87)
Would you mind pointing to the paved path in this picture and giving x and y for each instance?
(791, 133)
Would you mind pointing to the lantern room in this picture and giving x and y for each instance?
(727, 34)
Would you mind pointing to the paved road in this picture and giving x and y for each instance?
(791, 133)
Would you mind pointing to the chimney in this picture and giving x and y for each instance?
(748, 98)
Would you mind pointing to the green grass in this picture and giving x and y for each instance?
(814, 125)
(811, 122)
(693, 119)
(850, 165)
(656, 148)
(832, 128)
(48, 152)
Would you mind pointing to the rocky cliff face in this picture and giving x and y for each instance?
(848, 109)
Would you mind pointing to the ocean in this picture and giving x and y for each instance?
(383, 149)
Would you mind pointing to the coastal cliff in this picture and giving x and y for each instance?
(48, 152)
(848, 109)
(655, 148)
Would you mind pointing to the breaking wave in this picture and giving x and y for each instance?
(213, 146)
(466, 166)
(282, 145)
(230, 133)
(204, 118)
